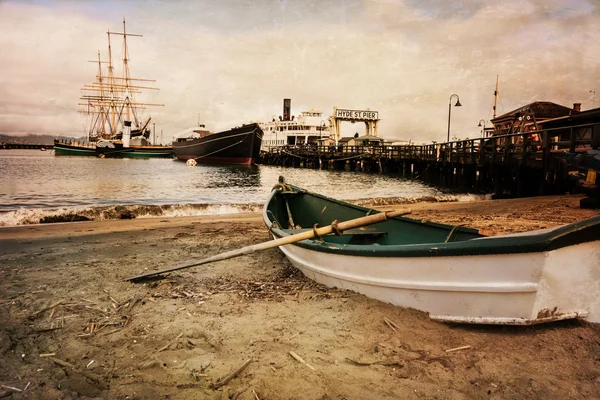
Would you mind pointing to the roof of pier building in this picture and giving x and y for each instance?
(541, 110)
(584, 117)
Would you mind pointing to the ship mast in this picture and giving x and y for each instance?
(112, 101)
(495, 96)
(126, 67)
(111, 82)
(97, 126)
(126, 78)
(101, 115)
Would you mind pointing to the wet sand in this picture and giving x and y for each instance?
(72, 328)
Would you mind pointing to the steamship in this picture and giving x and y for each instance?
(240, 145)
(288, 130)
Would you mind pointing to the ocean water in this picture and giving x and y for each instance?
(37, 186)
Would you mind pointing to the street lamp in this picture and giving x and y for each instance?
(321, 133)
(449, 111)
(483, 130)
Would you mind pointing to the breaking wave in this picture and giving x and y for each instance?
(28, 216)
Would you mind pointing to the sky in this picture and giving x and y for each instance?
(227, 62)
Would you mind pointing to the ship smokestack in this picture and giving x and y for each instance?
(287, 108)
(126, 133)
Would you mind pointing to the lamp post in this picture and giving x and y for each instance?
(450, 110)
(483, 130)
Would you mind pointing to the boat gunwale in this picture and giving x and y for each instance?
(556, 238)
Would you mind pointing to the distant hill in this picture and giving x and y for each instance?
(31, 139)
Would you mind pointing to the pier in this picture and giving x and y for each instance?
(9, 146)
(512, 165)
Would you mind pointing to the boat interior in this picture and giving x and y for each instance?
(294, 211)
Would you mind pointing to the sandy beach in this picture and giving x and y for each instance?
(253, 327)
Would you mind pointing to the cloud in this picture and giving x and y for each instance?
(231, 62)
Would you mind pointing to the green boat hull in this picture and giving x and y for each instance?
(148, 155)
(63, 149)
(161, 152)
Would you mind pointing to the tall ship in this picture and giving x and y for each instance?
(240, 145)
(308, 128)
(115, 126)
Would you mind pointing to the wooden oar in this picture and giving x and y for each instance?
(326, 230)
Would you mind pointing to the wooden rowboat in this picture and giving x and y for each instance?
(452, 272)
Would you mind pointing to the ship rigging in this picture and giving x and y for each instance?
(112, 101)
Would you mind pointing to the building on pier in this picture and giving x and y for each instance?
(529, 117)
(369, 117)
(365, 140)
(582, 127)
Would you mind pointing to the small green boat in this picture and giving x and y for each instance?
(454, 273)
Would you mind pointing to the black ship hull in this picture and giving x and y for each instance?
(235, 146)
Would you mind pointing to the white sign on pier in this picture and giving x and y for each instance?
(357, 114)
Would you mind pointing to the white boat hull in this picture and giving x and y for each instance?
(514, 289)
